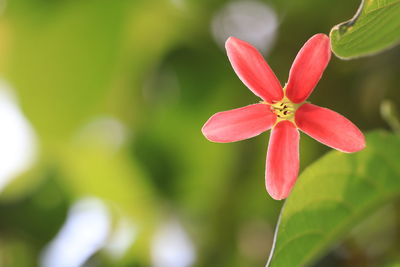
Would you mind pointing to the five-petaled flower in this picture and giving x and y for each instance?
(285, 110)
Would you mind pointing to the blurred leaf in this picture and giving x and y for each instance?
(66, 66)
(63, 60)
(93, 167)
(390, 115)
(375, 27)
(29, 222)
(16, 252)
(334, 194)
(44, 208)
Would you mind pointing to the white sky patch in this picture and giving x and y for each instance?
(84, 232)
(171, 246)
(121, 239)
(252, 21)
(18, 143)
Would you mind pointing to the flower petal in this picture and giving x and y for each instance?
(238, 124)
(282, 160)
(329, 128)
(308, 67)
(253, 70)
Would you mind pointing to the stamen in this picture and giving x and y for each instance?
(284, 109)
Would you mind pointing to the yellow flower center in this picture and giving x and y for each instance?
(285, 109)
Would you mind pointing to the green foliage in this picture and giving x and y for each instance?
(153, 68)
(66, 54)
(332, 195)
(374, 28)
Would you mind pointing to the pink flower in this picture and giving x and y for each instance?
(284, 110)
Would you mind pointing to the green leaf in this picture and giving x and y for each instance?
(332, 196)
(374, 28)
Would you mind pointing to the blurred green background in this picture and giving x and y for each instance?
(102, 161)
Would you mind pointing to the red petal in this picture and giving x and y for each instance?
(282, 160)
(238, 124)
(308, 67)
(252, 69)
(329, 128)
